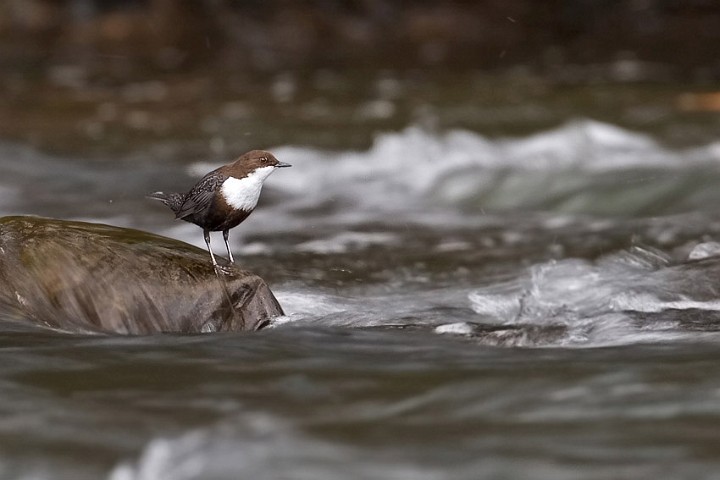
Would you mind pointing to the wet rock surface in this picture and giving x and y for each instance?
(84, 277)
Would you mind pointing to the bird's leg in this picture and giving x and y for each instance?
(226, 234)
(206, 233)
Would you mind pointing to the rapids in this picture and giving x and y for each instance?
(457, 306)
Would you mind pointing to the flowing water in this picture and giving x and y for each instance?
(457, 307)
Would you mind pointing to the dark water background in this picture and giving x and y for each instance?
(485, 275)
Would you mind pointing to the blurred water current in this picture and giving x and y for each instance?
(457, 307)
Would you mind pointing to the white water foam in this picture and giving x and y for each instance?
(346, 241)
(599, 302)
(584, 166)
(634, 296)
(405, 172)
(459, 328)
(260, 446)
(408, 176)
(380, 307)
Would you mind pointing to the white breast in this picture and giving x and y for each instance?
(243, 193)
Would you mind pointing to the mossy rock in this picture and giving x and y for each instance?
(87, 277)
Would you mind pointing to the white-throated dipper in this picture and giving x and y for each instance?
(225, 197)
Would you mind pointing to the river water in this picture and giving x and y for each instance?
(543, 305)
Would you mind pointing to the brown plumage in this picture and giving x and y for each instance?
(223, 198)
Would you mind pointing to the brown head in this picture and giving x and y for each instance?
(252, 161)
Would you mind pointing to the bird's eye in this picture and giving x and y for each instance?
(264, 159)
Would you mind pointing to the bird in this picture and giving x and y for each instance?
(225, 197)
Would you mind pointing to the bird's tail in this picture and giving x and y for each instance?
(172, 200)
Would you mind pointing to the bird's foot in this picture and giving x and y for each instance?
(224, 269)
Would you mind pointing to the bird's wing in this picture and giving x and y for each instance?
(200, 197)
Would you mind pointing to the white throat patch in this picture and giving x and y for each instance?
(243, 193)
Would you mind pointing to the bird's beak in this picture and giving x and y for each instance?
(282, 164)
